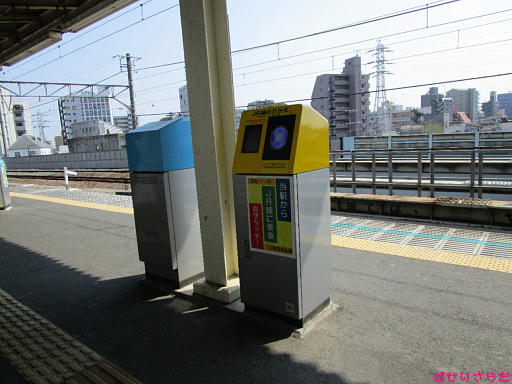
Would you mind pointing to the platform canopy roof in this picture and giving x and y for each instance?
(28, 26)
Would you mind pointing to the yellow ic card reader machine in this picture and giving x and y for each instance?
(282, 208)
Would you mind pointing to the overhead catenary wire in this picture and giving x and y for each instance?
(451, 81)
(158, 66)
(352, 25)
(280, 59)
(400, 87)
(166, 86)
(82, 34)
(379, 38)
(389, 44)
(98, 40)
(394, 59)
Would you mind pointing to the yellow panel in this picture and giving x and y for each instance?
(312, 150)
(309, 145)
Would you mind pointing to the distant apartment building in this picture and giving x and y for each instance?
(93, 128)
(490, 108)
(466, 100)
(107, 142)
(440, 115)
(505, 102)
(260, 103)
(433, 99)
(403, 120)
(85, 107)
(343, 99)
(22, 122)
(123, 122)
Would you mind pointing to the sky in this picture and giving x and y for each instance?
(421, 50)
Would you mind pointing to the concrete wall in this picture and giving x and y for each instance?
(90, 160)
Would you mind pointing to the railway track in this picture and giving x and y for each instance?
(98, 179)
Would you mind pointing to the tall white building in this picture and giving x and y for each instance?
(466, 100)
(22, 121)
(85, 107)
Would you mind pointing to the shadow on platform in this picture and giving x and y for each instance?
(156, 339)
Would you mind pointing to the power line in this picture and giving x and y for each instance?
(82, 34)
(349, 44)
(99, 39)
(324, 70)
(158, 74)
(162, 86)
(386, 36)
(451, 49)
(370, 91)
(159, 100)
(356, 24)
(401, 87)
(162, 65)
(394, 59)
(375, 19)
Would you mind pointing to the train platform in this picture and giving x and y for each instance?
(418, 302)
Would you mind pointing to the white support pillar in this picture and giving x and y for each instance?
(205, 31)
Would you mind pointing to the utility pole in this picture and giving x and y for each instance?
(132, 93)
(129, 69)
(2, 124)
(4, 151)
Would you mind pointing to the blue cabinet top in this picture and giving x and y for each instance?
(160, 146)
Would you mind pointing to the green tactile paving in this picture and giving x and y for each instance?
(42, 353)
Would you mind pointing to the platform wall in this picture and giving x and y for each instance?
(88, 160)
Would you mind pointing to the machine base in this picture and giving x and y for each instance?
(296, 328)
(167, 285)
(225, 294)
(299, 323)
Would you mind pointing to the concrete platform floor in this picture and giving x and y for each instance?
(401, 319)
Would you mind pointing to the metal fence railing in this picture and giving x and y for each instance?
(378, 169)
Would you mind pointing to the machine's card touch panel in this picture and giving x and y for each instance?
(271, 223)
(279, 138)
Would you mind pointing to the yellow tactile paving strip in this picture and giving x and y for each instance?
(482, 262)
(103, 207)
(44, 354)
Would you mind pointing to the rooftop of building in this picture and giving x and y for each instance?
(27, 141)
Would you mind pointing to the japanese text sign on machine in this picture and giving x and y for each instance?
(270, 214)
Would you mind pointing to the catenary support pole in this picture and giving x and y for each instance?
(129, 69)
(205, 31)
